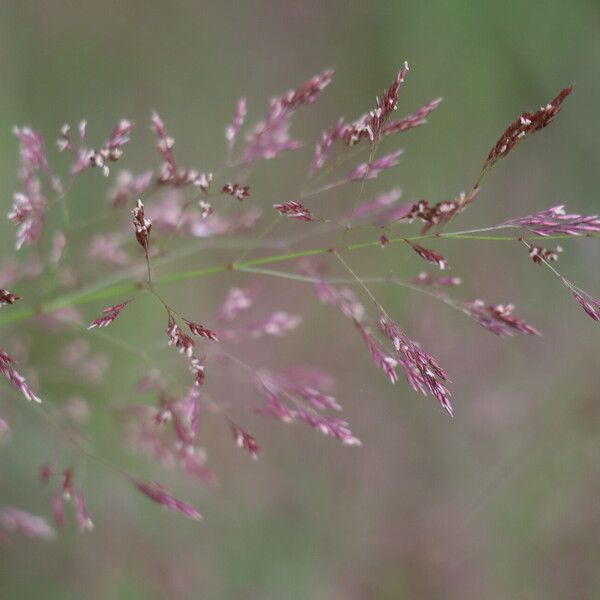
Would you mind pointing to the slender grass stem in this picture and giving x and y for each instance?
(111, 289)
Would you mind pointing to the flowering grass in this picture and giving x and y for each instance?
(175, 202)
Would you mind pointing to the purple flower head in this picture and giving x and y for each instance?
(170, 173)
(28, 213)
(539, 254)
(237, 301)
(236, 190)
(329, 426)
(7, 298)
(245, 440)
(31, 150)
(111, 151)
(295, 210)
(142, 226)
(31, 526)
(498, 318)
(526, 124)
(159, 494)
(420, 369)
(109, 314)
(128, 187)
(8, 369)
(271, 136)
(197, 369)
(202, 331)
(431, 216)
(555, 221)
(429, 255)
(419, 117)
(82, 517)
(234, 127)
(324, 146)
(183, 342)
(382, 361)
(370, 170)
(590, 305)
(370, 125)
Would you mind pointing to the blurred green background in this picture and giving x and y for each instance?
(500, 502)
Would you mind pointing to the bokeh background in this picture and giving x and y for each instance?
(500, 502)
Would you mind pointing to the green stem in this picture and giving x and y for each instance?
(129, 287)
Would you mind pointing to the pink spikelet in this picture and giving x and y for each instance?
(128, 186)
(31, 150)
(112, 149)
(170, 173)
(295, 210)
(236, 301)
(82, 154)
(539, 254)
(7, 298)
(197, 369)
(590, 305)
(387, 104)
(109, 314)
(498, 318)
(330, 426)
(67, 484)
(57, 507)
(276, 324)
(370, 125)
(142, 226)
(234, 127)
(270, 137)
(429, 255)
(370, 170)
(307, 93)
(342, 298)
(8, 369)
(381, 360)
(275, 408)
(29, 208)
(525, 125)
(82, 517)
(416, 119)
(202, 331)
(159, 494)
(236, 190)
(28, 212)
(435, 215)
(64, 138)
(300, 388)
(28, 524)
(425, 279)
(324, 146)
(421, 370)
(184, 343)
(245, 440)
(555, 221)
